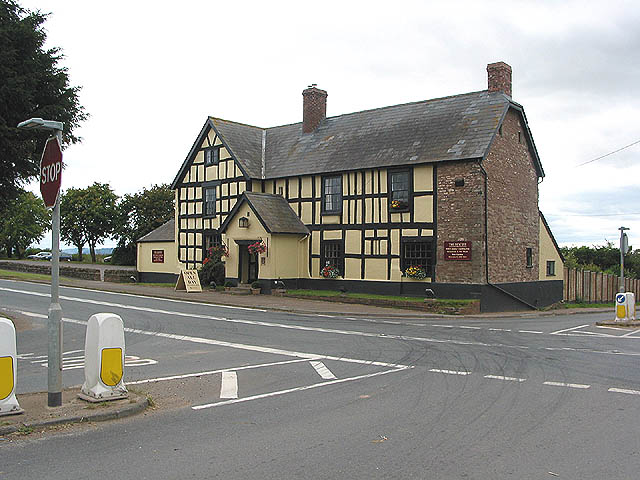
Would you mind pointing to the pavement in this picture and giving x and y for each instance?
(38, 415)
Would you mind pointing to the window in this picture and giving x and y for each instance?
(529, 257)
(212, 240)
(332, 194)
(399, 188)
(551, 268)
(211, 156)
(210, 201)
(417, 252)
(332, 253)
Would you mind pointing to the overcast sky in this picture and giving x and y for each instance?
(151, 73)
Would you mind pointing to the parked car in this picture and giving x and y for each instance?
(65, 257)
(107, 259)
(41, 256)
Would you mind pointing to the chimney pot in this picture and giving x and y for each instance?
(314, 108)
(499, 78)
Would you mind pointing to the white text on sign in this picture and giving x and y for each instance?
(50, 173)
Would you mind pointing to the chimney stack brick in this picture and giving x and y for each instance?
(314, 108)
(499, 78)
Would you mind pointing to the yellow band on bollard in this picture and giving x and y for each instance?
(6, 377)
(111, 368)
(621, 311)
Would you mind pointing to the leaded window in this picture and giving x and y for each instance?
(417, 253)
(551, 268)
(399, 187)
(332, 194)
(332, 254)
(210, 201)
(211, 156)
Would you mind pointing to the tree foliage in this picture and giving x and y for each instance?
(602, 259)
(139, 214)
(100, 214)
(24, 221)
(72, 214)
(32, 84)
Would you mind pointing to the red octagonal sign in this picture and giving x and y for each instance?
(50, 171)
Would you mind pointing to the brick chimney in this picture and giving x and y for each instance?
(314, 108)
(499, 77)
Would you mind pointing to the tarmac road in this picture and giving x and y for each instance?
(262, 394)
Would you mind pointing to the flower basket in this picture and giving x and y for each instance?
(416, 271)
(257, 247)
(398, 205)
(330, 271)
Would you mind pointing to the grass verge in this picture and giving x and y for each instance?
(373, 296)
(14, 275)
(583, 305)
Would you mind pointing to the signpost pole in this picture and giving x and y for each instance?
(54, 397)
(623, 247)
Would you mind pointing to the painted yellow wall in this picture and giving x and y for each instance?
(289, 256)
(548, 252)
(144, 263)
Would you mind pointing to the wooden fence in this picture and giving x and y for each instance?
(594, 287)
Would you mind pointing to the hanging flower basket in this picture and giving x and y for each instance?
(415, 271)
(330, 271)
(257, 247)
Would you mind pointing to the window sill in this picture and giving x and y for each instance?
(328, 213)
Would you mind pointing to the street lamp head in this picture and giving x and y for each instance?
(40, 124)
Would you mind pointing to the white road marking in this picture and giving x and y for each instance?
(214, 372)
(146, 297)
(297, 389)
(443, 326)
(611, 328)
(568, 329)
(500, 329)
(450, 372)
(570, 385)
(470, 328)
(509, 379)
(322, 370)
(529, 331)
(624, 390)
(75, 363)
(253, 348)
(229, 385)
(630, 333)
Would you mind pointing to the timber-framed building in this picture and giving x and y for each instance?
(447, 186)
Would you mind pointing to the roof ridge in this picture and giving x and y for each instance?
(237, 123)
(388, 107)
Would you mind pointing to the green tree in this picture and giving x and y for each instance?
(32, 84)
(72, 215)
(24, 221)
(100, 214)
(141, 213)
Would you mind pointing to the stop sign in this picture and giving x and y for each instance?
(50, 171)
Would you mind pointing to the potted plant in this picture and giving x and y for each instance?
(228, 285)
(330, 271)
(256, 288)
(416, 271)
(258, 247)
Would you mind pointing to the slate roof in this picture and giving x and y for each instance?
(273, 212)
(452, 128)
(164, 233)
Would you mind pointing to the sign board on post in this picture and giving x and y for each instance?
(188, 280)
(157, 256)
(457, 250)
(51, 172)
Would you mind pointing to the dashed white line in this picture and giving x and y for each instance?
(624, 390)
(508, 379)
(229, 385)
(569, 385)
(450, 372)
(529, 331)
(444, 326)
(322, 370)
(500, 329)
(469, 328)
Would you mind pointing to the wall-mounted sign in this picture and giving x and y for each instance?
(189, 281)
(457, 250)
(157, 256)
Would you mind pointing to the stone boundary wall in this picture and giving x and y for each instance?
(111, 275)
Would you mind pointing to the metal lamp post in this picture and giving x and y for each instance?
(54, 397)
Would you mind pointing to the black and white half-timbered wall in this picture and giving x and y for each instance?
(439, 194)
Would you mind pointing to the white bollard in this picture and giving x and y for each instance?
(8, 369)
(104, 359)
(625, 307)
